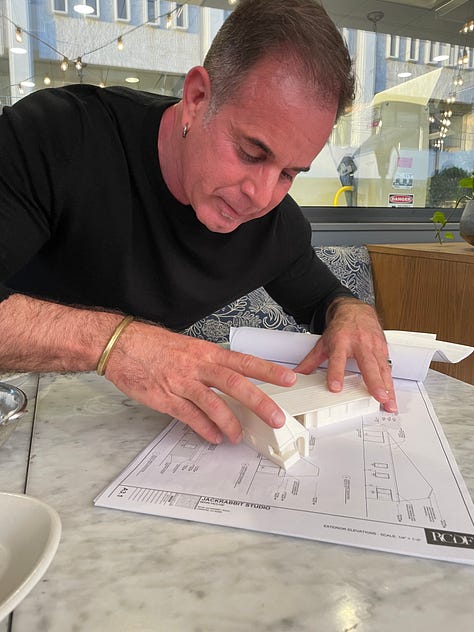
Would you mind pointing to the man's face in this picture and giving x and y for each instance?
(238, 164)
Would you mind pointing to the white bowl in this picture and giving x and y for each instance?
(30, 531)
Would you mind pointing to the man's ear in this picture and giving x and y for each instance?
(196, 94)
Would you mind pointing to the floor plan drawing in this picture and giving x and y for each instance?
(379, 480)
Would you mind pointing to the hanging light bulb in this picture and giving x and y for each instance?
(465, 56)
(119, 43)
(169, 21)
(20, 89)
(47, 80)
(18, 34)
(78, 63)
(467, 27)
(64, 64)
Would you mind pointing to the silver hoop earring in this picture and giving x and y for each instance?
(185, 130)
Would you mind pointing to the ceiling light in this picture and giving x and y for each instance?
(83, 8)
(441, 58)
(132, 79)
(18, 50)
(404, 75)
(28, 84)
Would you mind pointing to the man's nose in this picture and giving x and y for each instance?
(259, 187)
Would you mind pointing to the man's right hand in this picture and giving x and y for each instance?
(176, 374)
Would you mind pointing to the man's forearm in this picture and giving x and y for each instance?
(38, 335)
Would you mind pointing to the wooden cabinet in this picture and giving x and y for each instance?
(429, 288)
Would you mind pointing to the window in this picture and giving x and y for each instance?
(408, 140)
(122, 10)
(393, 46)
(60, 6)
(454, 55)
(412, 49)
(405, 144)
(180, 15)
(95, 6)
(153, 12)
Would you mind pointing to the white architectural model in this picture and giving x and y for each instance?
(306, 404)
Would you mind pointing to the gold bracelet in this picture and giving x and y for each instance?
(104, 358)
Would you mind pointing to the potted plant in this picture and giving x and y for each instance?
(466, 222)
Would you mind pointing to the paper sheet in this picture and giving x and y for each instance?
(382, 481)
(410, 352)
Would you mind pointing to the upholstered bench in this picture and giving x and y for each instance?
(351, 265)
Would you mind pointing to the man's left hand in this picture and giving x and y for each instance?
(353, 331)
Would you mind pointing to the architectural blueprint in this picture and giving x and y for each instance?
(381, 481)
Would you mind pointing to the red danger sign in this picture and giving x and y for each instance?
(397, 199)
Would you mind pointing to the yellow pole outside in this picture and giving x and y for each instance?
(339, 192)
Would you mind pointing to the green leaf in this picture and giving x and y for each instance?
(467, 183)
(449, 235)
(438, 217)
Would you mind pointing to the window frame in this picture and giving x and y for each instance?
(116, 11)
(157, 21)
(64, 11)
(184, 14)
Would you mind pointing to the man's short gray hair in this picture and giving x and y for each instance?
(296, 30)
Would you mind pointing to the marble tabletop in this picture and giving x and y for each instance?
(125, 572)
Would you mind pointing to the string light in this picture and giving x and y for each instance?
(85, 9)
(467, 27)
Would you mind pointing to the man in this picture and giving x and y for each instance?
(115, 202)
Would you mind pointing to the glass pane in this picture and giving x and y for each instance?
(408, 139)
(122, 10)
(60, 5)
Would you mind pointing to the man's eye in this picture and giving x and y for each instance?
(287, 176)
(248, 157)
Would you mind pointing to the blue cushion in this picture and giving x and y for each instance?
(351, 264)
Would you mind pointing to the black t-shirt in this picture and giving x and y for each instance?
(87, 220)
